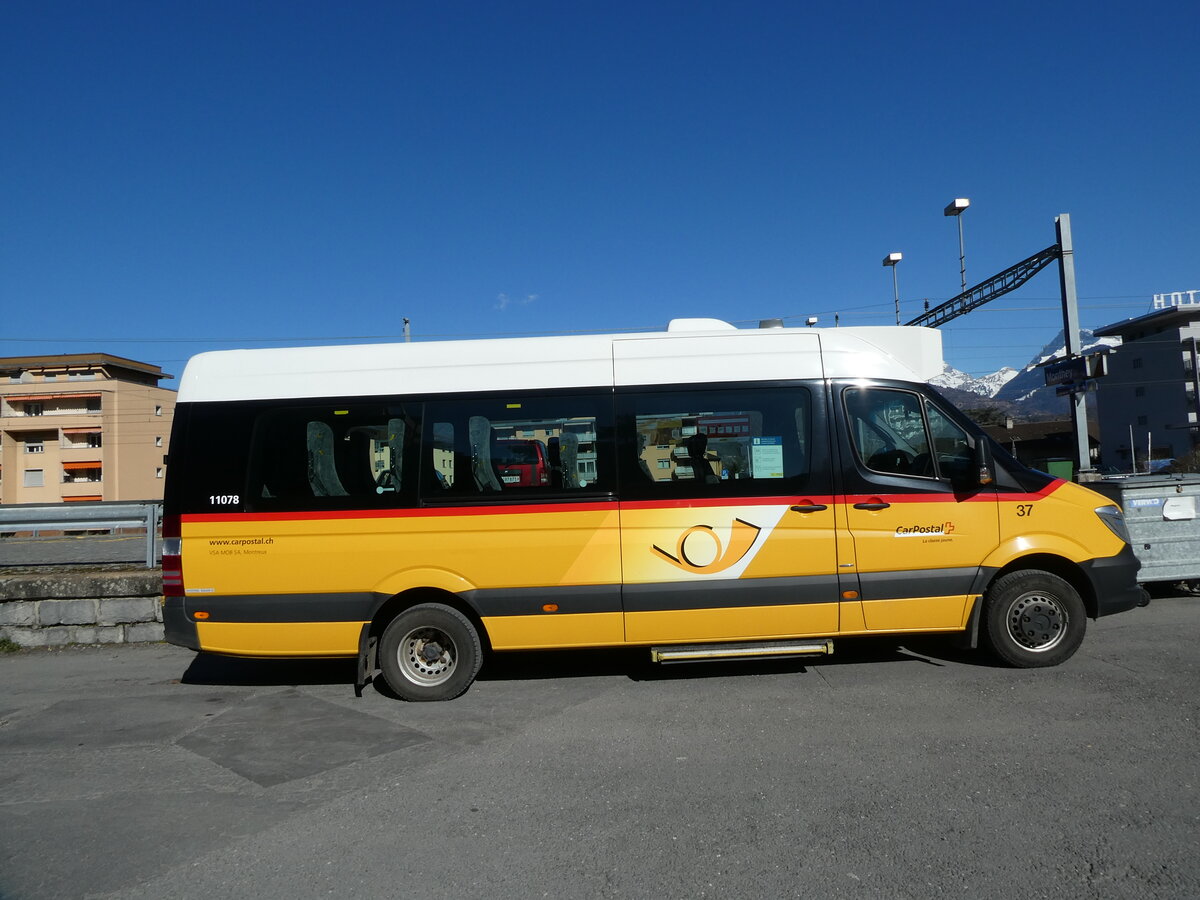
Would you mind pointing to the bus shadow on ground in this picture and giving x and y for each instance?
(635, 663)
(210, 669)
(632, 663)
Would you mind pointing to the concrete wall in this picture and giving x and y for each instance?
(90, 608)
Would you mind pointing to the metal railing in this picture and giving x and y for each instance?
(86, 516)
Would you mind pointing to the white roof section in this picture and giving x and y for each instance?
(688, 354)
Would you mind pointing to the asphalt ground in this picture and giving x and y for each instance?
(884, 771)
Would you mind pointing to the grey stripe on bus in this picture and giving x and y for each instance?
(606, 598)
(918, 583)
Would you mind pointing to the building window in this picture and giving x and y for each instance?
(75, 473)
(35, 447)
(93, 439)
(93, 404)
(34, 409)
(158, 441)
(158, 410)
(33, 478)
(158, 472)
(664, 463)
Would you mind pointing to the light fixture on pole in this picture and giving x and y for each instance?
(955, 208)
(890, 260)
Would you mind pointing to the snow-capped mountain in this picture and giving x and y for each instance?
(1018, 393)
(987, 386)
(1031, 380)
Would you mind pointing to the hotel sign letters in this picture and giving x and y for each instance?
(1176, 298)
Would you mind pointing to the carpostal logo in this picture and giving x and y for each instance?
(924, 530)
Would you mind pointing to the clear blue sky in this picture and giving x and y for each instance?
(178, 177)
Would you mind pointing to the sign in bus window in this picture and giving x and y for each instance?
(766, 457)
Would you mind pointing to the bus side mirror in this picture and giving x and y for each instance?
(973, 468)
(986, 472)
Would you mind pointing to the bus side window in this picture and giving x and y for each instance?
(515, 447)
(721, 441)
(952, 447)
(889, 432)
(351, 457)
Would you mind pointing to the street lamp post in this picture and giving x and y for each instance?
(890, 260)
(955, 208)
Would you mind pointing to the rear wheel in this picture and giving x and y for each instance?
(1033, 619)
(430, 652)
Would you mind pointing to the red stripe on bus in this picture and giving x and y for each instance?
(1049, 489)
(604, 506)
(424, 512)
(716, 503)
(938, 497)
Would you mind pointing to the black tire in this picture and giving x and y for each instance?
(430, 652)
(1033, 619)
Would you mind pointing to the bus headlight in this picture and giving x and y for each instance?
(1111, 516)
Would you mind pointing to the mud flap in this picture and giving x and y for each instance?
(367, 644)
(969, 639)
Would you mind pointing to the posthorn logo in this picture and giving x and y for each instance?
(700, 550)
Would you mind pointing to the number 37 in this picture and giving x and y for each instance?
(1024, 509)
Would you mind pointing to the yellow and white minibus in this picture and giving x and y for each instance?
(706, 492)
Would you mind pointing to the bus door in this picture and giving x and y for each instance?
(918, 540)
(727, 516)
(538, 558)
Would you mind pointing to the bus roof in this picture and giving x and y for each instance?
(700, 350)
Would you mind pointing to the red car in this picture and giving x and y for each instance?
(522, 463)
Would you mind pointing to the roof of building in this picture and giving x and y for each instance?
(1160, 318)
(1038, 431)
(78, 361)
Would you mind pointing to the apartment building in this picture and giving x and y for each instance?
(82, 426)
(1147, 402)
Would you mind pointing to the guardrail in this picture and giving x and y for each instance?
(87, 516)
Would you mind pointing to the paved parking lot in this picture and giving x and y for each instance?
(146, 771)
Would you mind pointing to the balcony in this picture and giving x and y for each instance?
(82, 472)
(28, 406)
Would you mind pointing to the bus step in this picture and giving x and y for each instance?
(678, 653)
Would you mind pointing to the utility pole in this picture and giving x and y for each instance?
(407, 335)
(956, 208)
(890, 260)
(1070, 304)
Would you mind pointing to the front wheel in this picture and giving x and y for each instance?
(1033, 619)
(430, 652)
